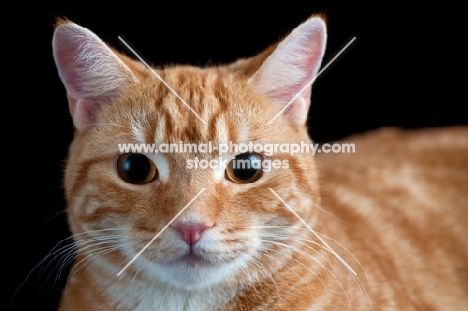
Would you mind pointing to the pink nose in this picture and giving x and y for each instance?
(191, 232)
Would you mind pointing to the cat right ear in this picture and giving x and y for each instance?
(287, 74)
(91, 72)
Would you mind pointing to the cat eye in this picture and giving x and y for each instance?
(245, 168)
(136, 168)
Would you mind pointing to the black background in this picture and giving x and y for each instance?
(392, 75)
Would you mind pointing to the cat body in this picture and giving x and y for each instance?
(401, 209)
(237, 244)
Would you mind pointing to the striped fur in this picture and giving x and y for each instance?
(396, 211)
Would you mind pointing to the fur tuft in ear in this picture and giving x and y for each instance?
(91, 72)
(292, 65)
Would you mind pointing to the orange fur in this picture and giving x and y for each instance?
(396, 210)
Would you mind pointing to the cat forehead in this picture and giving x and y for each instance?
(190, 103)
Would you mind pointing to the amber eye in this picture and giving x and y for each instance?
(136, 168)
(245, 168)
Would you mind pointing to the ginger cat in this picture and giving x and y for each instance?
(385, 227)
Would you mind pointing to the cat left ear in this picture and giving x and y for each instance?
(92, 73)
(292, 67)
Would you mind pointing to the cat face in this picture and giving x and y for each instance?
(235, 230)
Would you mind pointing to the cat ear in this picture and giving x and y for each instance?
(91, 72)
(291, 67)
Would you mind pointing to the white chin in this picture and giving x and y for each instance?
(192, 272)
(190, 275)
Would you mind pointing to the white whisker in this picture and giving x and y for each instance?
(272, 257)
(315, 233)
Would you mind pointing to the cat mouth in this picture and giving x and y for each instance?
(191, 260)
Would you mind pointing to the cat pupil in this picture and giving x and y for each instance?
(245, 168)
(136, 168)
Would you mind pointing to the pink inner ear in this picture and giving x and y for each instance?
(68, 43)
(291, 67)
(81, 112)
(295, 110)
(298, 109)
(91, 72)
(71, 104)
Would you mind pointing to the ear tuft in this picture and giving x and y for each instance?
(291, 69)
(91, 72)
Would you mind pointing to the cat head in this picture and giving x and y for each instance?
(231, 222)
